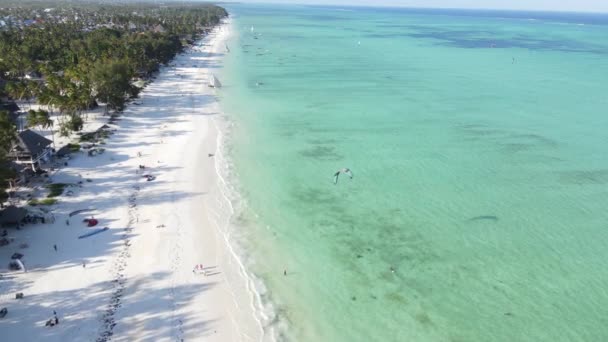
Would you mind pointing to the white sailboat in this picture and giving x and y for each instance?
(251, 28)
(214, 82)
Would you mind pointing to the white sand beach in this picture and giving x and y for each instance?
(136, 281)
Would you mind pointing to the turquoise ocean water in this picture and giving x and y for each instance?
(479, 146)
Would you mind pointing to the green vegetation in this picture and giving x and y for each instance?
(72, 56)
(56, 189)
(74, 122)
(78, 54)
(8, 132)
(5, 174)
(95, 136)
(39, 118)
(88, 137)
(47, 201)
(7, 136)
(74, 147)
(112, 80)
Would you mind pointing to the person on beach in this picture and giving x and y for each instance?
(198, 268)
(284, 272)
(55, 248)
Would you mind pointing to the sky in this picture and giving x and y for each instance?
(542, 5)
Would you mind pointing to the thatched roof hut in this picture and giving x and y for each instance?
(30, 148)
(12, 215)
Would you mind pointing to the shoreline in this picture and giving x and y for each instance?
(139, 281)
(229, 193)
(228, 186)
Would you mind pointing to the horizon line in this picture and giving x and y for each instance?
(417, 7)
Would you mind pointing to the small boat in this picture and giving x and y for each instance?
(91, 222)
(214, 82)
(96, 231)
(80, 211)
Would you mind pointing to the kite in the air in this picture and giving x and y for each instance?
(346, 171)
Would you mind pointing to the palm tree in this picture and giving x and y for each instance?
(8, 133)
(19, 91)
(40, 118)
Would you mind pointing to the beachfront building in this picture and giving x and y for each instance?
(10, 107)
(30, 149)
(12, 215)
(159, 29)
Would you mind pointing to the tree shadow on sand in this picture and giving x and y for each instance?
(154, 312)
